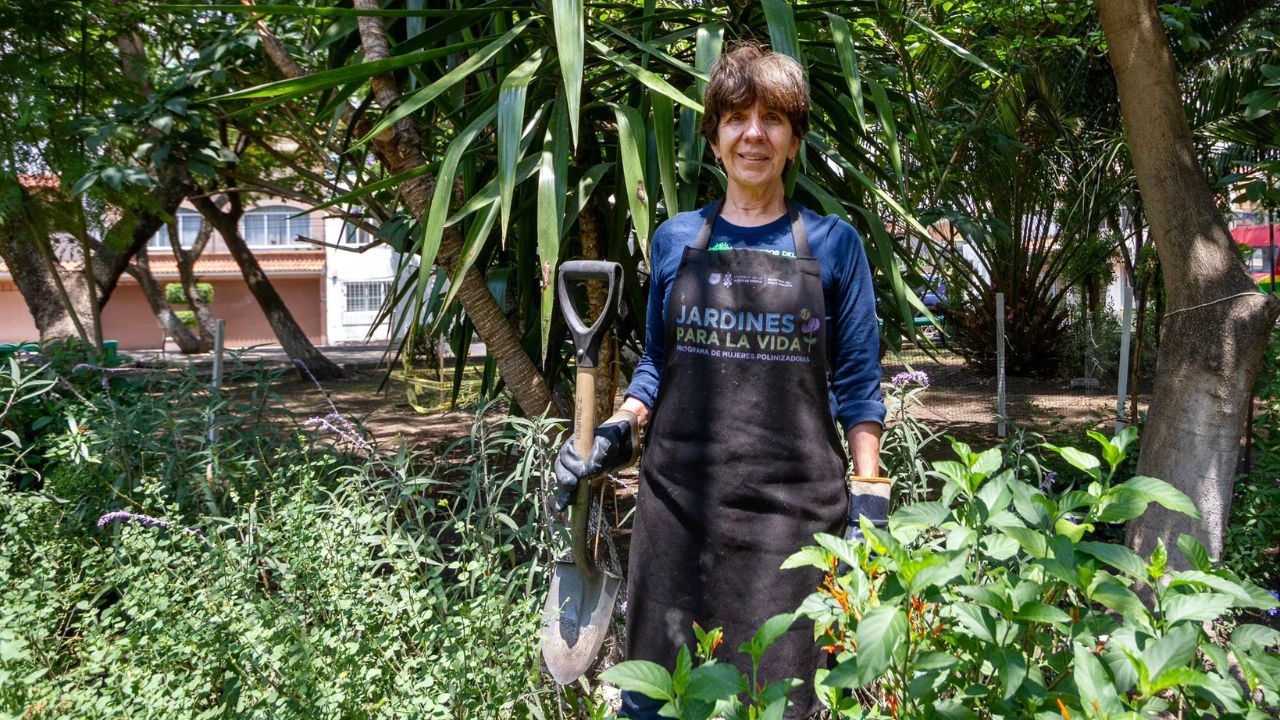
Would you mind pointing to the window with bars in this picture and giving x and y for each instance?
(188, 229)
(274, 226)
(365, 297)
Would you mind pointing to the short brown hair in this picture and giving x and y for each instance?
(748, 73)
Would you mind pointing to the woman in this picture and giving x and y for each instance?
(761, 327)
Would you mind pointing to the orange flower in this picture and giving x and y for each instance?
(1065, 712)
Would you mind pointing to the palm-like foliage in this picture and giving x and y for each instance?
(556, 130)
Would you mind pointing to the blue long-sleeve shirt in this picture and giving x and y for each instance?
(853, 337)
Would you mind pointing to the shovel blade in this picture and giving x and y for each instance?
(576, 619)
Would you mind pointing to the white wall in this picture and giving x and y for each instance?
(343, 267)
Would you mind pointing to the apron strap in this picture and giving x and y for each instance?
(798, 233)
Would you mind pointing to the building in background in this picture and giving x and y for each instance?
(334, 294)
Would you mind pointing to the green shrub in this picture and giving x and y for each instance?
(276, 570)
(1252, 542)
(996, 601)
(174, 295)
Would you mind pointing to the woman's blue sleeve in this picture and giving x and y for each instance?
(855, 372)
(644, 381)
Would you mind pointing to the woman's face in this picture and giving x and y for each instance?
(755, 144)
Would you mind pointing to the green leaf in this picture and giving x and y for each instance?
(328, 79)
(769, 632)
(570, 23)
(1036, 611)
(988, 462)
(630, 142)
(664, 132)
(1110, 453)
(647, 678)
(1115, 596)
(1162, 493)
(1119, 504)
(1252, 638)
(888, 128)
(1093, 682)
(471, 247)
(808, 556)
(553, 174)
(1197, 607)
(1176, 649)
(1195, 553)
(880, 633)
(433, 227)
(782, 28)
(413, 102)
(1011, 666)
(920, 514)
(647, 78)
(953, 47)
(842, 38)
(684, 666)
(511, 128)
(714, 682)
(1117, 556)
(1081, 461)
(845, 551)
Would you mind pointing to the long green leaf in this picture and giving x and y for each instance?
(433, 225)
(782, 28)
(570, 29)
(511, 127)
(471, 248)
(889, 129)
(842, 37)
(630, 141)
(664, 133)
(649, 79)
(489, 193)
(417, 100)
(552, 182)
(707, 47)
(958, 50)
(657, 52)
(326, 79)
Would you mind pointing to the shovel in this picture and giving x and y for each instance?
(580, 602)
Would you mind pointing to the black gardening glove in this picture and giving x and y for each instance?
(615, 445)
(869, 500)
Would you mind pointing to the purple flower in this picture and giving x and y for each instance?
(144, 520)
(139, 518)
(811, 325)
(903, 379)
(342, 427)
(1275, 611)
(1047, 483)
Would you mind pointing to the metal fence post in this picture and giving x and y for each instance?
(1000, 389)
(1122, 382)
(219, 332)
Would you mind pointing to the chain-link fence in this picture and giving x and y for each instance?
(1081, 392)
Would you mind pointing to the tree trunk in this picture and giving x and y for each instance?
(187, 342)
(607, 371)
(57, 304)
(1216, 332)
(187, 277)
(294, 341)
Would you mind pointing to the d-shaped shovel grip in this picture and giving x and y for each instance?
(586, 342)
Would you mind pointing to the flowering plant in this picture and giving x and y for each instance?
(996, 601)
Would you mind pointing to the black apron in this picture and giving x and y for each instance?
(743, 462)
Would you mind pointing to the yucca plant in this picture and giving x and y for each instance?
(511, 137)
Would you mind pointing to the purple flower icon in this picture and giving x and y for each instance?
(811, 325)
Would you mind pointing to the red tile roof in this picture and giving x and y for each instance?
(292, 264)
(221, 264)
